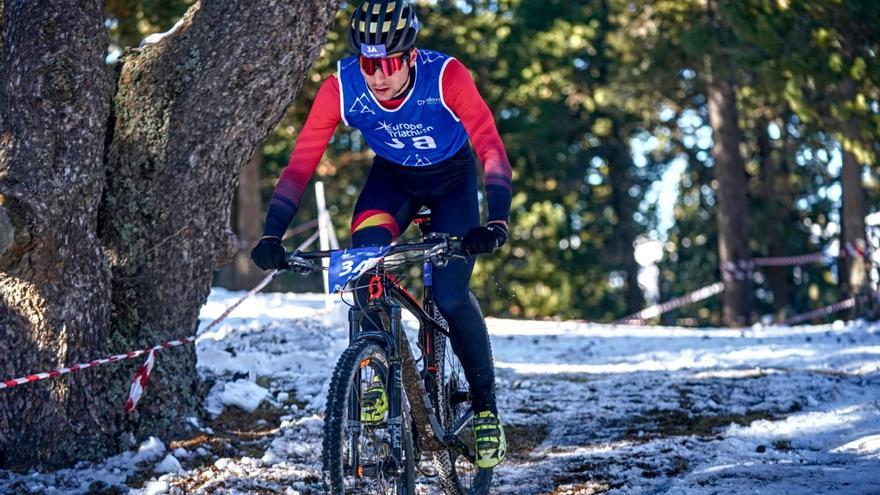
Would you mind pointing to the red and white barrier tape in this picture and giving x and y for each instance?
(827, 310)
(91, 364)
(737, 270)
(742, 269)
(658, 309)
(139, 381)
(803, 259)
(853, 249)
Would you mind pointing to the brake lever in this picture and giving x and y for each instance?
(455, 249)
(437, 250)
(300, 265)
(447, 250)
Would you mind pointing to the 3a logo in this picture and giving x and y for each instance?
(373, 50)
(418, 142)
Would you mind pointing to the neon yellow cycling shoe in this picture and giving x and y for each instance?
(491, 445)
(374, 403)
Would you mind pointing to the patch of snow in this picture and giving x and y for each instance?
(244, 394)
(868, 446)
(153, 488)
(610, 408)
(149, 451)
(157, 37)
(169, 464)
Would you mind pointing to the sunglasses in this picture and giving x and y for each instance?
(388, 65)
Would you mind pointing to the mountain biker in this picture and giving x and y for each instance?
(416, 110)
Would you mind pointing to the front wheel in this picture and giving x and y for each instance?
(358, 455)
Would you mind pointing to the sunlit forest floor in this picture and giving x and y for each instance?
(679, 411)
(589, 409)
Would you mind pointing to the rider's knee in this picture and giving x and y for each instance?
(373, 228)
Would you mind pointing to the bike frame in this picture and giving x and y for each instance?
(404, 373)
(387, 295)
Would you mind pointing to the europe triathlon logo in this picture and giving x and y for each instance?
(405, 129)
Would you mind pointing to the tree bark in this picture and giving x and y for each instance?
(855, 272)
(54, 281)
(119, 219)
(733, 218)
(771, 176)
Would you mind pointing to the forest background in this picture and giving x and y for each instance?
(702, 131)
(652, 143)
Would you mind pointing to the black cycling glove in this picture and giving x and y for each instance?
(481, 240)
(269, 254)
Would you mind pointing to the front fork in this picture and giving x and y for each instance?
(394, 386)
(354, 400)
(395, 399)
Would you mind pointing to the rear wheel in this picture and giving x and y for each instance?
(457, 474)
(357, 455)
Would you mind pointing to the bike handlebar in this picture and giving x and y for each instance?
(437, 247)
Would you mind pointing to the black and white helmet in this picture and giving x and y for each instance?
(379, 28)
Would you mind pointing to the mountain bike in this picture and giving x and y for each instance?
(428, 405)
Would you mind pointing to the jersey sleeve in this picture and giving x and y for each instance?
(311, 143)
(461, 96)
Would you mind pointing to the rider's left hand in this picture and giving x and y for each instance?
(481, 240)
(269, 254)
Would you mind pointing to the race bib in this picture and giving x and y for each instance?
(349, 264)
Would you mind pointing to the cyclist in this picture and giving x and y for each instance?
(416, 110)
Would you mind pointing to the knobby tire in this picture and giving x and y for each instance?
(337, 478)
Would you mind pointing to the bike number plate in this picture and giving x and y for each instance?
(349, 264)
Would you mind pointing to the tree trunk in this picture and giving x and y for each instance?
(619, 166)
(119, 220)
(774, 228)
(733, 219)
(55, 93)
(855, 272)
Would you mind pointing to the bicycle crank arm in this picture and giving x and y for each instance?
(463, 421)
(453, 442)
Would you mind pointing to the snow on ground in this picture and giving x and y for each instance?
(589, 409)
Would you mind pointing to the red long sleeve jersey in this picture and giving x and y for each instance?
(460, 95)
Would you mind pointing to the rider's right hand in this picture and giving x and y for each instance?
(483, 240)
(269, 254)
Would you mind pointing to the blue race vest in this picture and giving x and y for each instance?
(421, 131)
